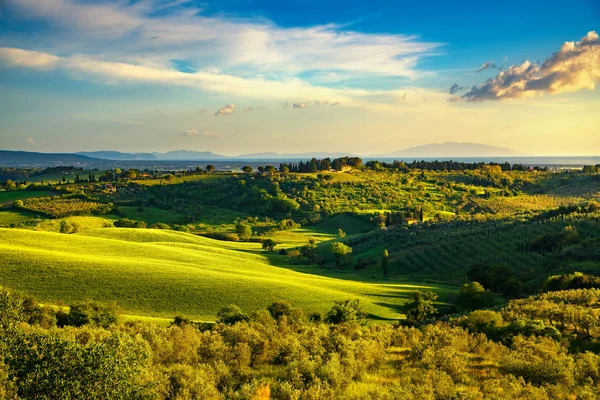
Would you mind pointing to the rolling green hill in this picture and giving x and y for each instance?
(160, 273)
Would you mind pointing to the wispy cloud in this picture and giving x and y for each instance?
(226, 110)
(487, 65)
(455, 88)
(574, 67)
(256, 108)
(212, 134)
(206, 132)
(191, 132)
(207, 42)
(27, 58)
(30, 140)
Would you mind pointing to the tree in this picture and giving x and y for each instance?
(473, 296)
(131, 174)
(341, 233)
(18, 204)
(345, 311)
(94, 313)
(268, 244)
(341, 252)
(385, 263)
(65, 227)
(231, 314)
(279, 309)
(210, 168)
(269, 169)
(421, 307)
(244, 231)
(247, 169)
(284, 169)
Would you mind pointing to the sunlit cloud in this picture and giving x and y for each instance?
(191, 132)
(227, 44)
(27, 58)
(212, 134)
(226, 110)
(30, 140)
(576, 66)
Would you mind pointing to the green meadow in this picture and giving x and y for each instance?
(156, 273)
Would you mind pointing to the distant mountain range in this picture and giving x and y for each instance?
(189, 155)
(117, 155)
(10, 157)
(452, 149)
(435, 150)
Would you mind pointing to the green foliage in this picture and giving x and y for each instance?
(576, 280)
(341, 252)
(279, 352)
(345, 311)
(385, 263)
(57, 207)
(473, 296)
(91, 312)
(268, 244)
(420, 307)
(127, 223)
(244, 231)
(231, 314)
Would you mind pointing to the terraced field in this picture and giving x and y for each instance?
(156, 273)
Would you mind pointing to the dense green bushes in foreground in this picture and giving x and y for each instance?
(281, 352)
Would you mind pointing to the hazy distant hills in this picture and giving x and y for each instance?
(11, 157)
(434, 150)
(453, 149)
(117, 155)
(190, 155)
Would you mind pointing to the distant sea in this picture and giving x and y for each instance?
(237, 164)
(575, 161)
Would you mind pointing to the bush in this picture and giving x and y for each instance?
(128, 223)
(92, 313)
(345, 311)
(160, 225)
(231, 314)
(473, 296)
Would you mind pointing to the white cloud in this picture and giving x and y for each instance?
(30, 140)
(574, 67)
(212, 134)
(191, 132)
(27, 58)
(218, 43)
(226, 110)
(206, 132)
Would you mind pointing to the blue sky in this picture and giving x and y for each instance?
(241, 76)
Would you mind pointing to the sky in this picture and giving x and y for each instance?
(237, 77)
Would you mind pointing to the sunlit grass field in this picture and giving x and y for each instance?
(156, 273)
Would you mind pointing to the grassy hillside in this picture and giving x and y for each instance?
(163, 273)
